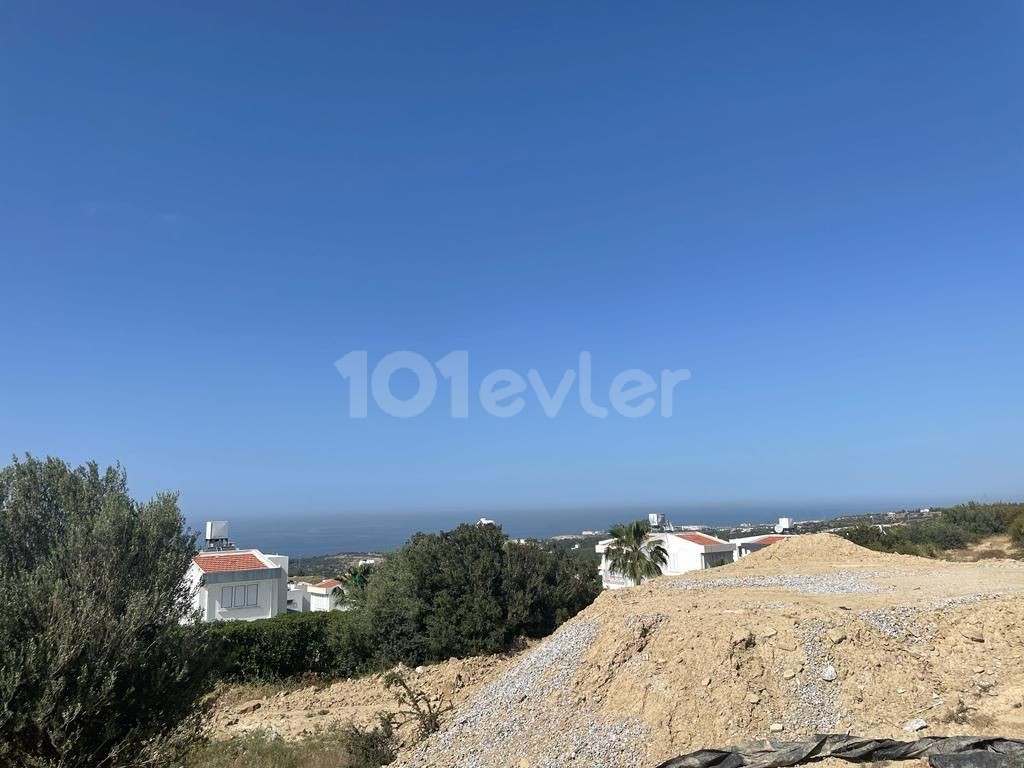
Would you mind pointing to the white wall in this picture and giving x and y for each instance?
(298, 598)
(268, 600)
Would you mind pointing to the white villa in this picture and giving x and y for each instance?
(687, 551)
(239, 584)
(236, 584)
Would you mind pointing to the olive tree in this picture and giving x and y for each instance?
(101, 660)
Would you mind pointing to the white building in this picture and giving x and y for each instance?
(687, 551)
(325, 596)
(298, 596)
(238, 584)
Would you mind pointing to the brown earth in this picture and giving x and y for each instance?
(723, 656)
(294, 711)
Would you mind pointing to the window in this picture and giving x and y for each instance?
(242, 596)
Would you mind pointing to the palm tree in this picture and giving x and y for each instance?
(633, 555)
(354, 583)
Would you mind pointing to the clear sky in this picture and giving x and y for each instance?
(815, 207)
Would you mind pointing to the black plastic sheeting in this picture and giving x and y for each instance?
(941, 751)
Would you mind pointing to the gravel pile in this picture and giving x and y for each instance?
(815, 706)
(837, 582)
(529, 714)
(915, 624)
(901, 623)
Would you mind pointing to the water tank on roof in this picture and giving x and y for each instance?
(784, 524)
(216, 529)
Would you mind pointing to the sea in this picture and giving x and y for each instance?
(300, 534)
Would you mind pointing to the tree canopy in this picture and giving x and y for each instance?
(99, 665)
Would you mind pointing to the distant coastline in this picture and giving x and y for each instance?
(299, 535)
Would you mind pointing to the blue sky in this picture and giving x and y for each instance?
(816, 208)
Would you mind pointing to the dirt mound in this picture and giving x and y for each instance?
(679, 664)
(295, 711)
(816, 548)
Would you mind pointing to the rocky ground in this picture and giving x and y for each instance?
(813, 634)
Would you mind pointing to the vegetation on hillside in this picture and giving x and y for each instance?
(96, 667)
(348, 747)
(103, 662)
(954, 528)
(457, 593)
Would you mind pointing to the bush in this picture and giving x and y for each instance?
(469, 591)
(1017, 531)
(954, 528)
(324, 644)
(96, 666)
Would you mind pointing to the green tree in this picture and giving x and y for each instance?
(100, 664)
(1017, 531)
(439, 596)
(544, 587)
(469, 591)
(633, 555)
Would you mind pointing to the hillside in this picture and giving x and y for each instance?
(813, 634)
(716, 657)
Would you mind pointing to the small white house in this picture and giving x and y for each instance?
(238, 584)
(325, 596)
(687, 551)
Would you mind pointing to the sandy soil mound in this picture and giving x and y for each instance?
(818, 636)
(825, 548)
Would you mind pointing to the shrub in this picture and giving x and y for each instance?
(370, 747)
(955, 528)
(416, 705)
(324, 644)
(1017, 531)
(469, 591)
(96, 666)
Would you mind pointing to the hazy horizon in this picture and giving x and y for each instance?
(307, 534)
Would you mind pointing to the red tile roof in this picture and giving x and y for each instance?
(769, 539)
(328, 583)
(243, 561)
(699, 538)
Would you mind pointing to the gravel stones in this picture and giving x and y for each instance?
(531, 709)
(837, 582)
(914, 624)
(815, 705)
